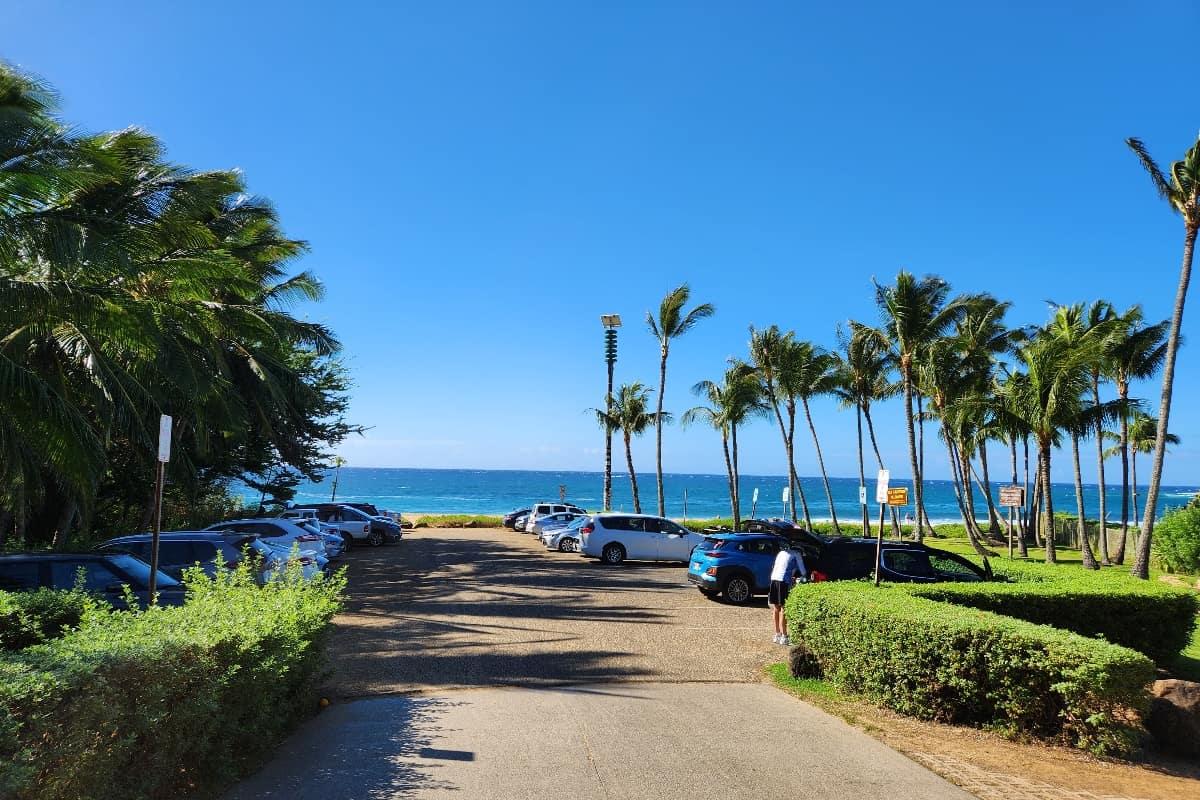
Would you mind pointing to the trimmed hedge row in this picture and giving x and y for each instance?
(27, 618)
(1152, 618)
(167, 702)
(956, 664)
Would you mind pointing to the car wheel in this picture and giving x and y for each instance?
(375, 539)
(738, 590)
(564, 546)
(348, 540)
(613, 554)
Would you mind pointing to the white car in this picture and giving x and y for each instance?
(280, 533)
(540, 510)
(565, 539)
(553, 521)
(335, 544)
(613, 538)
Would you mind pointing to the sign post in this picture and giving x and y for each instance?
(891, 497)
(1012, 497)
(164, 455)
(881, 487)
(787, 495)
(753, 502)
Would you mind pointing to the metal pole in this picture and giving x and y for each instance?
(1011, 511)
(685, 504)
(879, 544)
(608, 432)
(336, 474)
(158, 492)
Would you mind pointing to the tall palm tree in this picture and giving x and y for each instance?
(671, 323)
(1138, 353)
(810, 372)
(631, 415)
(731, 404)
(863, 376)
(768, 348)
(1182, 192)
(915, 312)
(1101, 313)
(1142, 438)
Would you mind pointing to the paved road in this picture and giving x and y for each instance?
(469, 664)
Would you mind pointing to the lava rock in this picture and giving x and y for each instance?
(1174, 716)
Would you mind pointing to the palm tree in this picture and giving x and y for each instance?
(863, 376)
(671, 323)
(810, 372)
(1101, 313)
(768, 348)
(631, 416)
(915, 313)
(1142, 438)
(1138, 353)
(731, 403)
(1182, 192)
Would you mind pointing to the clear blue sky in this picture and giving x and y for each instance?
(479, 181)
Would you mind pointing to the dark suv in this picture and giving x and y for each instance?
(179, 550)
(900, 562)
(106, 574)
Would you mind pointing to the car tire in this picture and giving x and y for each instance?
(375, 538)
(738, 589)
(564, 545)
(612, 554)
(348, 540)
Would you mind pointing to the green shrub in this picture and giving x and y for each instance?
(1150, 617)
(698, 525)
(27, 618)
(1177, 540)
(458, 521)
(960, 665)
(167, 702)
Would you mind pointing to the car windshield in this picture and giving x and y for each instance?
(140, 570)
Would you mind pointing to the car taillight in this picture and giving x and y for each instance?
(715, 554)
(710, 571)
(816, 576)
(587, 529)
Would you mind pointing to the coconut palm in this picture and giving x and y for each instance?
(809, 372)
(1138, 352)
(914, 313)
(631, 415)
(1182, 191)
(1101, 313)
(1142, 438)
(671, 323)
(768, 348)
(731, 404)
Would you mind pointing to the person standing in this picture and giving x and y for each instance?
(787, 571)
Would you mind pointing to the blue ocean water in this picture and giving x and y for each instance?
(467, 491)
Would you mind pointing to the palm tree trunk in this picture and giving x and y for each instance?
(993, 516)
(922, 514)
(1085, 546)
(729, 475)
(1048, 499)
(737, 481)
(906, 380)
(1141, 561)
(821, 464)
(1103, 543)
(862, 474)
(787, 449)
(958, 461)
(1030, 505)
(1035, 507)
(965, 470)
(1123, 393)
(66, 521)
(879, 459)
(1019, 533)
(1133, 470)
(797, 490)
(637, 502)
(658, 420)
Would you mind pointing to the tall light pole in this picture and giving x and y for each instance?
(337, 472)
(610, 322)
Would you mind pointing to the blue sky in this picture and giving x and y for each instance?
(479, 181)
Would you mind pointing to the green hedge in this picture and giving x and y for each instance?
(1150, 617)
(956, 664)
(27, 618)
(1177, 539)
(167, 702)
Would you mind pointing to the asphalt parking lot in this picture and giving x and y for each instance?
(487, 607)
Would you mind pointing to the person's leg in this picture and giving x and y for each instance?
(783, 625)
(776, 612)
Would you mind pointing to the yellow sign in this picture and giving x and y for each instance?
(898, 496)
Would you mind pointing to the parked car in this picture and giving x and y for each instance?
(613, 538)
(105, 574)
(179, 550)
(808, 543)
(737, 565)
(554, 521)
(900, 562)
(511, 518)
(519, 523)
(330, 534)
(356, 525)
(565, 539)
(540, 510)
(279, 533)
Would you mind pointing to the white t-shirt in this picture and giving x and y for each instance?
(786, 566)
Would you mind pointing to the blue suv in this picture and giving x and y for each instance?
(737, 565)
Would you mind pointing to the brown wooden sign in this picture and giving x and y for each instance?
(1012, 496)
(897, 496)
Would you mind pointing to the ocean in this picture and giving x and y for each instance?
(471, 491)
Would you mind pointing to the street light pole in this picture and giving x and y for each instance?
(337, 472)
(611, 322)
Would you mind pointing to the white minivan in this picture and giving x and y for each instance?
(613, 538)
(540, 510)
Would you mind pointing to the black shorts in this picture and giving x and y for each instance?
(778, 593)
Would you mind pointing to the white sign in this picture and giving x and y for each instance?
(755, 500)
(862, 495)
(881, 486)
(164, 438)
(787, 493)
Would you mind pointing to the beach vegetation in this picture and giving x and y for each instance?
(631, 415)
(1177, 543)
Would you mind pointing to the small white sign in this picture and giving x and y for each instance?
(787, 493)
(862, 495)
(755, 500)
(881, 486)
(164, 438)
